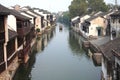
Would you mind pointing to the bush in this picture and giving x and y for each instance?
(37, 30)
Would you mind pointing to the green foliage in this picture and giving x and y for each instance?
(110, 6)
(37, 30)
(64, 18)
(97, 5)
(81, 7)
(77, 8)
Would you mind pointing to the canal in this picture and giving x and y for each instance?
(58, 55)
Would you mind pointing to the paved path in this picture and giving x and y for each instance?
(100, 41)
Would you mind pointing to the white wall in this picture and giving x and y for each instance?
(82, 19)
(104, 69)
(32, 18)
(74, 18)
(11, 22)
(117, 60)
(115, 25)
(92, 30)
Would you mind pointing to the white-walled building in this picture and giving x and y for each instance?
(115, 24)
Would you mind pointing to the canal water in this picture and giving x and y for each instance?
(58, 55)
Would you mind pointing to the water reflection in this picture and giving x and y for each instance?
(59, 56)
(42, 41)
(24, 70)
(75, 42)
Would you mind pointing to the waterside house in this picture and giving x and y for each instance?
(93, 25)
(82, 19)
(16, 34)
(111, 50)
(41, 19)
(115, 24)
(75, 23)
(49, 18)
(111, 60)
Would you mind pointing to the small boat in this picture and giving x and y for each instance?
(60, 27)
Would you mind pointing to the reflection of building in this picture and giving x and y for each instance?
(75, 42)
(42, 41)
(45, 40)
(38, 44)
(111, 60)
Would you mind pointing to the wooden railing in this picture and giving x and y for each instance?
(26, 49)
(2, 67)
(11, 59)
(1, 56)
(23, 31)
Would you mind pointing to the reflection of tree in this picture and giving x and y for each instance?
(75, 47)
(75, 42)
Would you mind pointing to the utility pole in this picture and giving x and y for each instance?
(115, 4)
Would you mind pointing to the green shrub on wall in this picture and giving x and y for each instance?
(37, 30)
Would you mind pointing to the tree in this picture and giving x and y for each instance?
(77, 8)
(81, 7)
(97, 5)
(111, 6)
(64, 18)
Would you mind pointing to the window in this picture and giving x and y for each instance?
(119, 20)
(25, 24)
(19, 25)
(1, 53)
(113, 20)
(118, 72)
(1, 23)
(10, 47)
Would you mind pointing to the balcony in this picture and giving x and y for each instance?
(2, 67)
(23, 31)
(2, 36)
(11, 59)
(1, 56)
(26, 49)
(26, 53)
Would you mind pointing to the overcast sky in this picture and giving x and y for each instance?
(50, 5)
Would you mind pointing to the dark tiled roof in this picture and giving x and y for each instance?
(32, 10)
(107, 49)
(46, 12)
(94, 17)
(76, 20)
(28, 14)
(12, 34)
(115, 14)
(116, 52)
(35, 13)
(102, 14)
(4, 10)
(18, 15)
(41, 10)
(91, 18)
